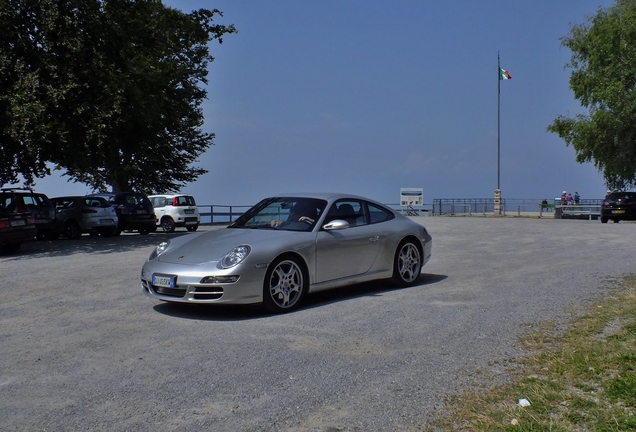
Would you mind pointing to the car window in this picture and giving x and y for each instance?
(33, 200)
(9, 204)
(63, 203)
(347, 210)
(288, 214)
(185, 201)
(378, 214)
(158, 202)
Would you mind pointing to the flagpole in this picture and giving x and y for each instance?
(498, 122)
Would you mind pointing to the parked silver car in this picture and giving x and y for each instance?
(76, 215)
(286, 247)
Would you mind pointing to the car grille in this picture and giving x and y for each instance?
(170, 292)
(201, 293)
(208, 293)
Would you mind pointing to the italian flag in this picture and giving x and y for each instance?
(504, 74)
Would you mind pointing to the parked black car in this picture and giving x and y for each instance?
(618, 206)
(17, 224)
(134, 211)
(39, 205)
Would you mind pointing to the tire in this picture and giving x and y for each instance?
(285, 286)
(93, 233)
(72, 230)
(193, 228)
(144, 231)
(407, 264)
(603, 219)
(167, 224)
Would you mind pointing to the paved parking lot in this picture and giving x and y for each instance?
(83, 349)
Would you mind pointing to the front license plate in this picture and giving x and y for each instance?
(618, 211)
(164, 281)
(18, 222)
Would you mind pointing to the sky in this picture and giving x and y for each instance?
(368, 97)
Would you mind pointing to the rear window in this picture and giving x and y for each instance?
(185, 201)
(623, 195)
(96, 202)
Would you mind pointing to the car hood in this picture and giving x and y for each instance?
(211, 246)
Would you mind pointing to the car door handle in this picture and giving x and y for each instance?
(374, 238)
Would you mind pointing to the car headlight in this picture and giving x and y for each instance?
(235, 256)
(159, 249)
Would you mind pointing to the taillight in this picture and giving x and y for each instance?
(4, 223)
(175, 202)
(89, 211)
(31, 220)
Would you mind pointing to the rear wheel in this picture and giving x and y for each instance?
(603, 219)
(193, 227)
(72, 230)
(407, 264)
(167, 224)
(285, 286)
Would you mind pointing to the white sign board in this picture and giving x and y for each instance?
(411, 197)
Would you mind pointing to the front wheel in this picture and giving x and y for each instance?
(286, 284)
(407, 264)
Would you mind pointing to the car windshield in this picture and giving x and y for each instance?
(288, 214)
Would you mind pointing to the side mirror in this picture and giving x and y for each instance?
(336, 224)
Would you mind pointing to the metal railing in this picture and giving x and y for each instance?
(452, 206)
(217, 213)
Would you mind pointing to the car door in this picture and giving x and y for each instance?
(350, 251)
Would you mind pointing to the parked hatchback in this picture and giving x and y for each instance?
(17, 224)
(39, 205)
(76, 215)
(618, 206)
(178, 210)
(134, 211)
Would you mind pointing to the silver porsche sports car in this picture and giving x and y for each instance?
(286, 247)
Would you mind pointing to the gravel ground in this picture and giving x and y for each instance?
(83, 349)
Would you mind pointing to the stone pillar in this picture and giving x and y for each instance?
(497, 202)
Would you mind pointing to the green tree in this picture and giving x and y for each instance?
(604, 81)
(116, 97)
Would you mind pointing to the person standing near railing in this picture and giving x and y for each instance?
(577, 198)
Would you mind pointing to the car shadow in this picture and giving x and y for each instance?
(212, 312)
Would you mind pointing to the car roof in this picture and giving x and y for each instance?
(328, 196)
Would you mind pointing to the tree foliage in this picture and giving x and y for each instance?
(109, 91)
(604, 81)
